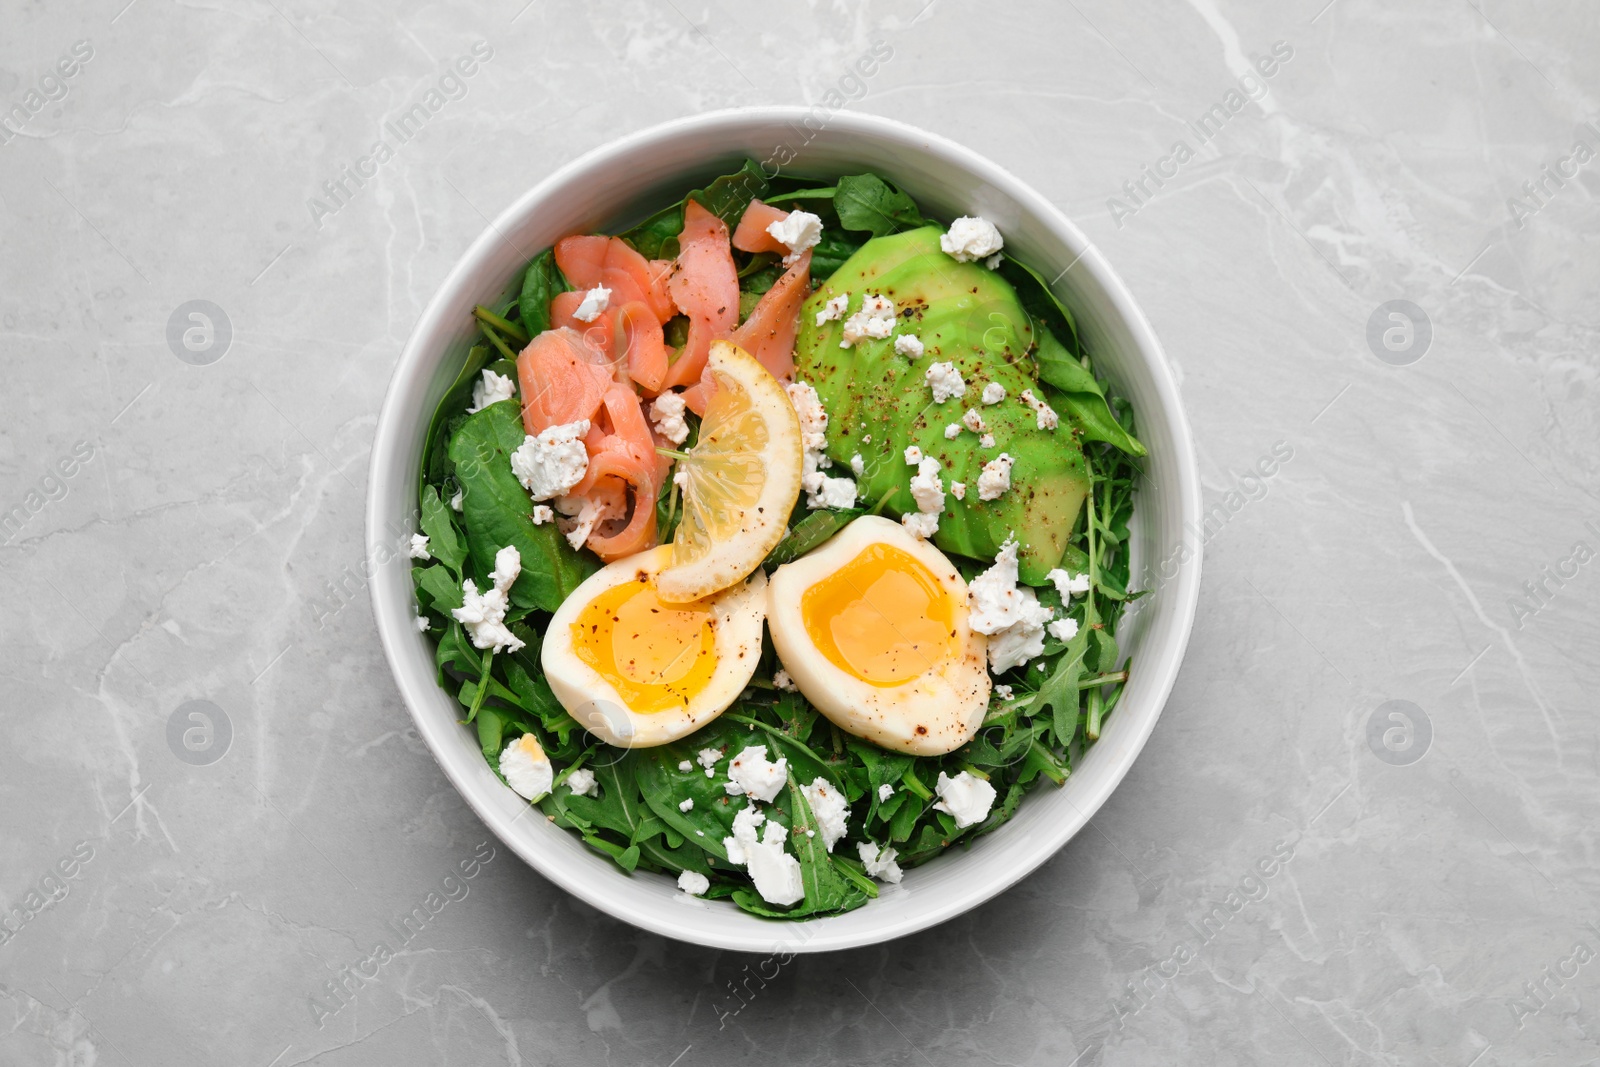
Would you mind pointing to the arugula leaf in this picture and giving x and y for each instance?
(497, 512)
(808, 533)
(542, 281)
(444, 543)
(867, 202)
(826, 890)
(443, 589)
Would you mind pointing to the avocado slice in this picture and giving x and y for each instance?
(878, 402)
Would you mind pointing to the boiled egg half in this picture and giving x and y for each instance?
(872, 628)
(638, 672)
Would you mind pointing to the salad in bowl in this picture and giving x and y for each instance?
(776, 545)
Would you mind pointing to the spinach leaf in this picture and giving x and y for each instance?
(809, 533)
(497, 512)
(435, 460)
(867, 202)
(542, 281)
(1079, 395)
(657, 236)
(728, 196)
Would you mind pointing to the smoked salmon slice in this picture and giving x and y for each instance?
(637, 343)
(563, 379)
(587, 262)
(752, 235)
(705, 287)
(581, 259)
(769, 332)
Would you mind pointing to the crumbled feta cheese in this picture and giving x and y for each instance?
(554, 461)
(885, 791)
(993, 393)
(970, 238)
(958, 490)
(490, 389)
(484, 614)
(945, 381)
(833, 310)
(1044, 415)
(455, 501)
(920, 524)
(913, 455)
(965, 797)
(693, 883)
(834, 493)
(419, 546)
(423, 625)
(822, 491)
(582, 782)
(880, 863)
(578, 518)
(996, 477)
(1003, 692)
(830, 809)
(993, 262)
(685, 765)
(784, 682)
(875, 319)
(775, 872)
(1069, 585)
(926, 488)
(749, 774)
(1012, 617)
(745, 821)
(952, 431)
(1064, 629)
(666, 415)
(866, 439)
(594, 302)
(707, 758)
(680, 478)
(858, 467)
(687, 804)
(543, 513)
(798, 231)
(986, 441)
(908, 345)
(526, 768)
(973, 421)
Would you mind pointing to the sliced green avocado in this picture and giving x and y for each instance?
(879, 403)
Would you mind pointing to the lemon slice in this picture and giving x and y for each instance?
(740, 480)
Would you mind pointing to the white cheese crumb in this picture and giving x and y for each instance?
(707, 758)
(986, 441)
(908, 345)
(1069, 585)
(913, 455)
(579, 515)
(543, 513)
(830, 809)
(965, 797)
(526, 768)
(993, 262)
(687, 804)
(834, 493)
(798, 231)
(920, 524)
(423, 625)
(993, 393)
(582, 782)
(1064, 629)
(749, 774)
(455, 501)
(858, 467)
(970, 238)
(1012, 617)
(996, 477)
(775, 873)
(784, 682)
(490, 389)
(866, 439)
(594, 302)
(693, 883)
(974, 421)
(554, 461)
(885, 791)
(419, 546)
(1003, 692)
(952, 431)
(926, 488)
(685, 765)
(958, 490)
(822, 491)
(880, 863)
(875, 319)
(945, 381)
(833, 310)
(484, 614)
(666, 415)
(1044, 415)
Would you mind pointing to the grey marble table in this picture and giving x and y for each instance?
(1364, 830)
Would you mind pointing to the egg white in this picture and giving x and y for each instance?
(592, 699)
(947, 701)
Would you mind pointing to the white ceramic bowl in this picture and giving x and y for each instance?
(610, 189)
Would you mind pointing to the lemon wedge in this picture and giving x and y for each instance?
(740, 481)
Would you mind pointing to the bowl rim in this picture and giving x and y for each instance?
(1183, 588)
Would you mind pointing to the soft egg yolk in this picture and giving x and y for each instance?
(883, 617)
(658, 656)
